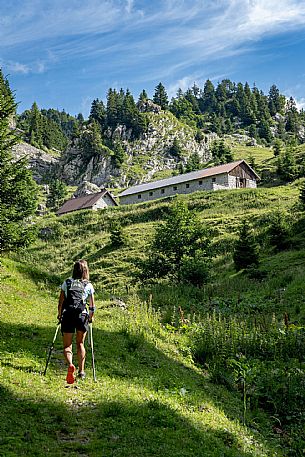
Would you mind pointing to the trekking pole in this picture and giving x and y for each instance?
(51, 348)
(92, 351)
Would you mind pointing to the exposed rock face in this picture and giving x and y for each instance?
(148, 106)
(145, 156)
(39, 161)
(86, 188)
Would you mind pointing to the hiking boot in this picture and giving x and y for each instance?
(81, 375)
(70, 375)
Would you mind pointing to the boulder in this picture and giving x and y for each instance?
(86, 188)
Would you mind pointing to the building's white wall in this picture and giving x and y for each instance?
(103, 202)
(218, 182)
(182, 188)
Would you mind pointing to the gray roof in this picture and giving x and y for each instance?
(84, 202)
(193, 175)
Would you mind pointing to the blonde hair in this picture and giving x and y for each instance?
(80, 270)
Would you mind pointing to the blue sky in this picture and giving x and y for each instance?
(64, 53)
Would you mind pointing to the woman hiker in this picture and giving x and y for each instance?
(73, 315)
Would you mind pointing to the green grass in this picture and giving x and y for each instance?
(150, 398)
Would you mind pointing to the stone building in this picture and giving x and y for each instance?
(228, 176)
(94, 201)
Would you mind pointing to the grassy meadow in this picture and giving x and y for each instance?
(183, 371)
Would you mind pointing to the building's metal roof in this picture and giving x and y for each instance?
(84, 202)
(193, 175)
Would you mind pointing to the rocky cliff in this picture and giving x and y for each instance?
(39, 161)
(145, 156)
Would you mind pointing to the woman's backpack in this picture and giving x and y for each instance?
(74, 300)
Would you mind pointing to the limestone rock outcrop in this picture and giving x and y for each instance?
(39, 161)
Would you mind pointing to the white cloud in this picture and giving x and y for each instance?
(129, 6)
(184, 32)
(15, 67)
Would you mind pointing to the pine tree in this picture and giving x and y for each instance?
(113, 108)
(57, 193)
(18, 191)
(36, 127)
(143, 96)
(276, 101)
(278, 231)
(98, 112)
(277, 147)
(245, 254)
(208, 100)
(221, 152)
(160, 96)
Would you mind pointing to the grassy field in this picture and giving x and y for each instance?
(149, 398)
(154, 395)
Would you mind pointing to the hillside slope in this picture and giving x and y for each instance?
(170, 381)
(149, 399)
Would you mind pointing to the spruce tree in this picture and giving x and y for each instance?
(57, 194)
(245, 254)
(143, 96)
(98, 112)
(160, 96)
(18, 191)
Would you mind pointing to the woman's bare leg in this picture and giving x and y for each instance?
(67, 342)
(81, 351)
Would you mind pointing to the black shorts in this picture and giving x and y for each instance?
(71, 322)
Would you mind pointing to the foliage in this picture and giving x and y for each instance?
(180, 248)
(261, 359)
(44, 128)
(18, 191)
(57, 193)
(245, 252)
(278, 231)
(149, 395)
(176, 150)
(221, 152)
(160, 96)
(302, 195)
(117, 236)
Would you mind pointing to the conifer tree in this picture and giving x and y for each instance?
(143, 96)
(57, 193)
(160, 96)
(36, 127)
(245, 254)
(208, 101)
(278, 231)
(18, 191)
(98, 112)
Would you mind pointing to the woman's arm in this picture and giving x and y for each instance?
(91, 307)
(60, 303)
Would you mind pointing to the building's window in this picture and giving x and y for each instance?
(200, 183)
(213, 179)
(175, 187)
(139, 196)
(151, 194)
(162, 191)
(187, 186)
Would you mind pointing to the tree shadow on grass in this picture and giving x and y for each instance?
(39, 275)
(36, 427)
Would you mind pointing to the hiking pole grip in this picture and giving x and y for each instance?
(92, 351)
(51, 349)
